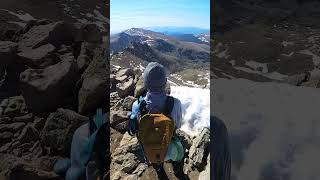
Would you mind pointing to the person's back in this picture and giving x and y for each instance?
(156, 98)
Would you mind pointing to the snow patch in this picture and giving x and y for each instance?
(270, 122)
(195, 107)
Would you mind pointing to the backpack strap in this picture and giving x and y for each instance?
(169, 106)
(143, 108)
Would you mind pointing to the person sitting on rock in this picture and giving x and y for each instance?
(154, 119)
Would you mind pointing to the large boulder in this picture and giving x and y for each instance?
(57, 33)
(40, 57)
(45, 89)
(199, 150)
(88, 33)
(95, 83)
(126, 88)
(59, 129)
(119, 120)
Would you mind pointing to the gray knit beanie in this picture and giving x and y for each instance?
(155, 77)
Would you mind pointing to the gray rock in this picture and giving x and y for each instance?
(95, 83)
(5, 137)
(12, 167)
(9, 31)
(4, 148)
(121, 78)
(125, 72)
(54, 33)
(7, 51)
(88, 33)
(140, 89)
(185, 138)
(92, 92)
(126, 88)
(128, 101)
(15, 106)
(40, 57)
(39, 123)
(131, 177)
(127, 144)
(26, 118)
(59, 129)
(67, 57)
(200, 148)
(28, 134)
(128, 162)
(44, 89)
(5, 120)
(64, 49)
(119, 120)
(13, 127)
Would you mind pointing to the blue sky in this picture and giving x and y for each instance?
(125, 14)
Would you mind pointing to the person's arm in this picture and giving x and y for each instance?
(177, 113)
(132, 117)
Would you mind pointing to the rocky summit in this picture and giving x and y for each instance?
(53, 77)
(127, 160)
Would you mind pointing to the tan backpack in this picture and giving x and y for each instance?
(156, 131)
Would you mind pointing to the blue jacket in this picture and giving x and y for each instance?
(156, 103)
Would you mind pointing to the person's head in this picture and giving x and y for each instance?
(155, 78)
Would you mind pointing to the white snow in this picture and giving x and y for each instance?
(195, 107)
(273, 128)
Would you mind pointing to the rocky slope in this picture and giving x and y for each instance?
(53, 77)
(282, 45)
(126, 157)
(166, 49)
